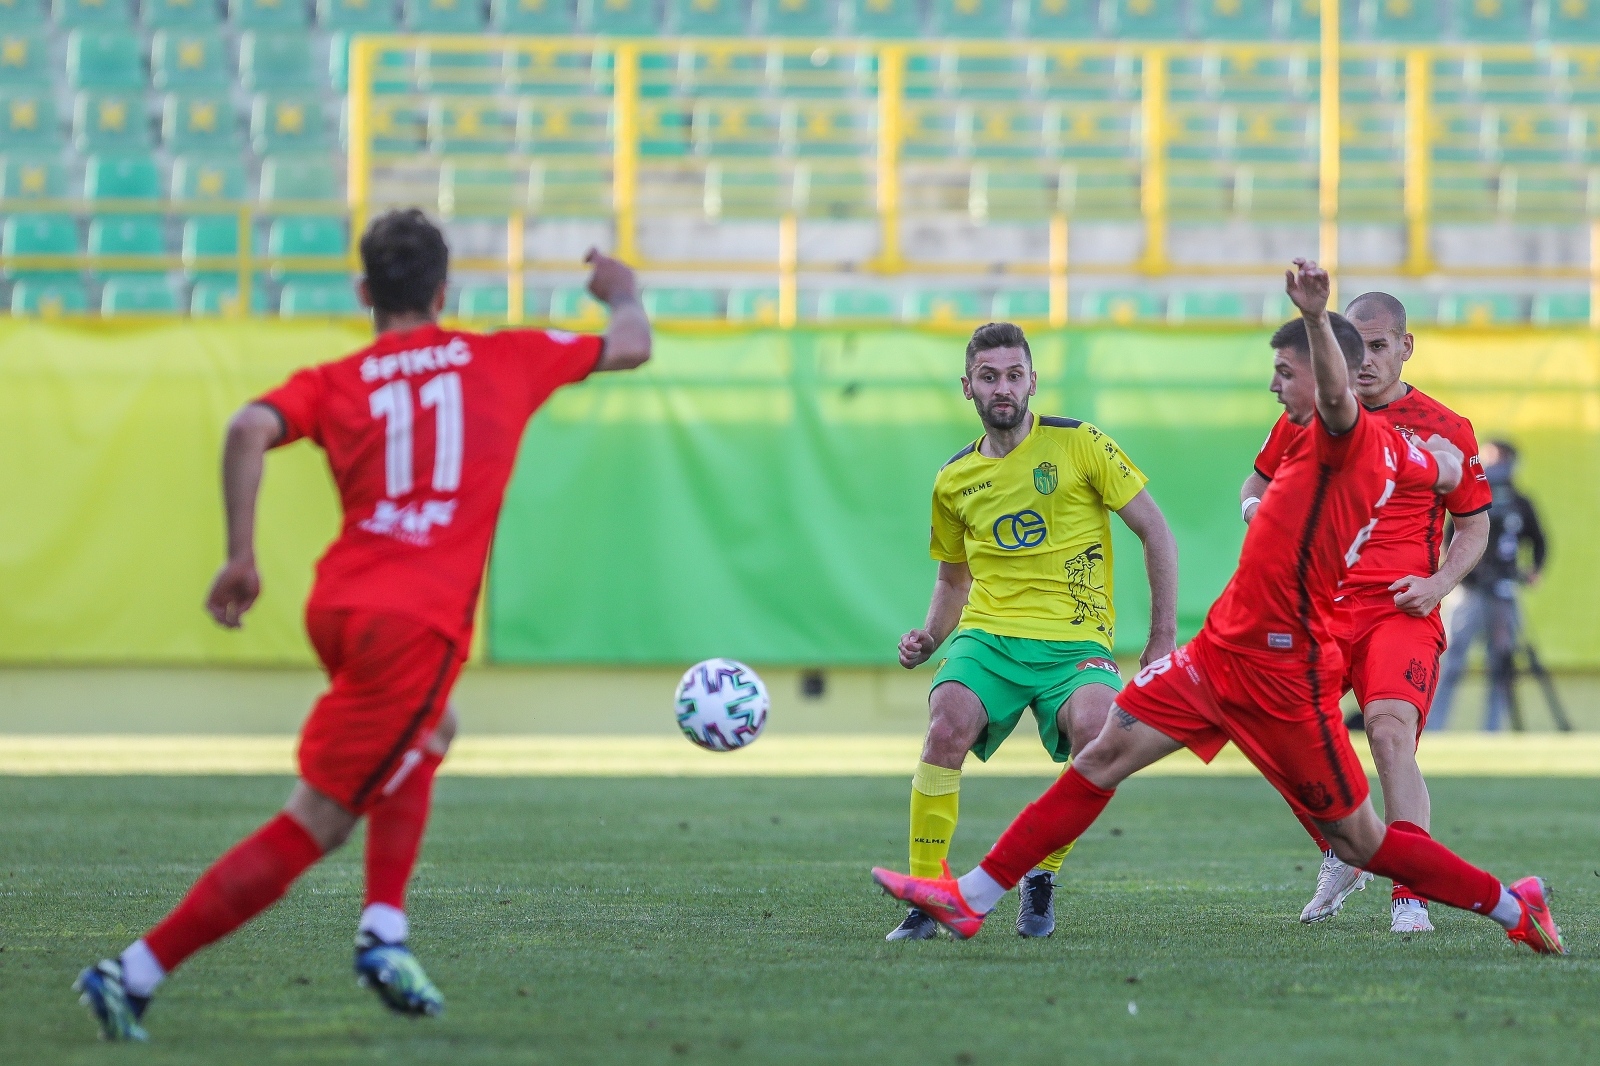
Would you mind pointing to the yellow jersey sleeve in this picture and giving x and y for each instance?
(947, 541)
(1109, 470)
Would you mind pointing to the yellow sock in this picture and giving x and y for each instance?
(935, 803)
(1053, 861)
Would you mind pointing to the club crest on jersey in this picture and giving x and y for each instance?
(413, 523)
(1045, 478)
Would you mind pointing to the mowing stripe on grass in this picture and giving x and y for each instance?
(1464, 755)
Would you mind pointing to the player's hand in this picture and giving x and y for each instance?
(1158, 646)
(233, 592)
(916, 648)
(1309, 286)
(1417, 596)
(612, 281)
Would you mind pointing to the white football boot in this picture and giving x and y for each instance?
(1335, 883)
(1409, 916)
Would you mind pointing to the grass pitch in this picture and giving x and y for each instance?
(732, 920)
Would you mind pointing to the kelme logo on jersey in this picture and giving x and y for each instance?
(1046, 477)
(1025, 529)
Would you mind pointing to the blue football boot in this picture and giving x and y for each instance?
(396, 976)
(100, 988)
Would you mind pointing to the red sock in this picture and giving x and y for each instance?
(1311, 827)
(394, 833)
(244, 882)
(1434, 871)
(1052, 821)
(1401, 891)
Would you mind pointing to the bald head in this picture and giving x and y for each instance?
(1370, 306)
(1381, 321)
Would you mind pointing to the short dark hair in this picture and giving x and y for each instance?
(992, 335)
(406, 260)
(1507, 450)
(1377, 302)
(1293, 336)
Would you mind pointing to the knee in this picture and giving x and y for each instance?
(953, 727)
(443, 733)
(1393, 740)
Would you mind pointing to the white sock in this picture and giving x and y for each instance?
(1508, 912)
(141, 973)
(980, 890)
(386, 923)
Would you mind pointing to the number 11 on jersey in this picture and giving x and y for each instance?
(392, 403)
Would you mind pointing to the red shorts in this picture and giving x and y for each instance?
(1282, 713)
(1388, 654)
(389, 681)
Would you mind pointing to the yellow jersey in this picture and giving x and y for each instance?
(1035, 529)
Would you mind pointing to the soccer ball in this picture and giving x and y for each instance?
(722, 705)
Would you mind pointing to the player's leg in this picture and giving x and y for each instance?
(1336, 882)
(1393, 726)
(395, 826)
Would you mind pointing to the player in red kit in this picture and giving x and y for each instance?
(1389, 628)
(421, 430)
(1265, 670)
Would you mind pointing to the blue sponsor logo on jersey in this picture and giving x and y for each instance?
(1025, 529)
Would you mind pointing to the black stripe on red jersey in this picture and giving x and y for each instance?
(1313, 663)
(1057, 422)
(1435, 530)
(386, 767)
(1259, 474)
(1475, 510)
(963, 453)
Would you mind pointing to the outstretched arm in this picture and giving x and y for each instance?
(1250, 495)
(252, 431)
(614, 284)
(950, 591)
(1161, 566)
(1308, 286)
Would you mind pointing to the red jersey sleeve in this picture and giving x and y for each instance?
(549, 359)
(1337, 449)
(298, 402)
(1472, 495)
(1272, 452)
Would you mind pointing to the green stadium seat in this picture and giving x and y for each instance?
(1496, 21)
(189, 60)
(298, 178)
(21, 15)
(211, 235)
(1480, 309)
(110, 122)
(531, 16)
(101, 59)
(319, 299)
(178, 14)
(49, 297)
(24, 59)
(29, 121)
(1144, 20)
(443, 16)
(126, 295)
(207, 178)
(269, 61)
(135, 176)
(1063, 19)
(474, 127)
(941, 305)
(192, 122)
(1573, 20)
(1304, 19)
(356, 16)
(575, 307)
(838, 304)
(213, 295)
(1185, 307)
(25, 178)
(970, 19)
(796, 18)
(1401, 20)
(126, 235)
(286, 123)
(884, 18)
(618, 18)
(1121, 307)
(271, 15)
(1232, 20)
(483, 302)
(706, 18)
(308, 238)
(1012, 305)
(39, 234)
(757, 306)
(99, 14)
(686, 304)
(1561, 309)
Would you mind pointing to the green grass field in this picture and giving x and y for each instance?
(733, 920)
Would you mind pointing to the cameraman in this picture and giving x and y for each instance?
(1490, 589)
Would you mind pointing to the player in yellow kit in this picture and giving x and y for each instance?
(1022, 533)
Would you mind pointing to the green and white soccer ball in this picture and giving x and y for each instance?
(722, 705)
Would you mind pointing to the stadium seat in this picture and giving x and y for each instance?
(310, 238)
(198, 123)
(286, 123)
(1011, 305)
(1480, 309)
(189, 60)
(24, 59)
(1121, 307)
(126, 235)
(49, 297)
(277, 61)
(356, 16)
(135, 176)
(25, 178)
(178, 14)
(884, 18)
(211, 235)
(941, 305)
(443, 16)
(483, 302)
(796, 18)
(1063, 19)
(1185, 307)
(1573, 20)
(29, 121)
(1400, 20)
(20, 15)
(207, 178)
(618, 18)
(298, 178)
(836, 304)
(754, 305)
(473, 127)
(99, 14)
(319, 299)
(1561, 309)
(102, 59)
(218, 294)
(969, 19)
(1232, 20)
(39, 234)
(126, 295)
(1497, 21)
(1304, 19)
(707, 18)
(110, 122)
(696, 304)
(575, 307)
(531, 16)
(1144, 20)
(268, 14)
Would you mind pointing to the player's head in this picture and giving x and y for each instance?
(999, 377)
(1293, 381)
(405, 262)
(1382, 322)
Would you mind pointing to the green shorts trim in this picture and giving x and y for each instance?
(1012, 674)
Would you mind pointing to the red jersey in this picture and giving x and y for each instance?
(1313, 523)
(1408, 539)
(421, 429)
